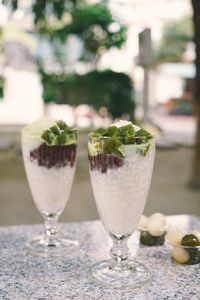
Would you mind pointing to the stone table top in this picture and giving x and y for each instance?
(24, 276)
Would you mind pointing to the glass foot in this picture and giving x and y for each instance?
(132, 275)
(42, 245)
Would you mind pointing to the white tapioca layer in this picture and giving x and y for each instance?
(121, 193)
(50, 188)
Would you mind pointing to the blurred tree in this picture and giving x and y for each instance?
(1, 87)
(1, 77)
(195, 180)
(96, 88)
(176, 35)
(93, 24)
(98, 31)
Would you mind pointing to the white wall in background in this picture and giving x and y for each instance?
(61, 112)
(22, 101)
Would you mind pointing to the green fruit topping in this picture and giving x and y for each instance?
(62, 125)
(55, 130)
(61, 139)
(113, 146)
(190, 240)
(59, 134)
(48, 136)
(142, 136)
(113, 138)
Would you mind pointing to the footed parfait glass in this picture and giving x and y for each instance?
(50, 171)
(120, 187)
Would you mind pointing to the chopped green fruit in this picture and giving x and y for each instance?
(111, 131)
(61, 139)
(142, 149)
(117, 137)
(59, 134)
(48, 136)
(127, 131)
(113, 146)
(143, 133)
(55, 130)
(121, 151)
(99, 132)
(62, 125)
(190, 240)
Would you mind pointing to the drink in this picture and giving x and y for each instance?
(119, 199)
(121, 160)
(49, 152)
(50, 171)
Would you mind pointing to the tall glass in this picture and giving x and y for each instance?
(50, 171)
(120, 187)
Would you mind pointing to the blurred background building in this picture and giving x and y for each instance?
(79, 61)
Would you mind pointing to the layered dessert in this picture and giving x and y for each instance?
(121, 159)
(49, 152)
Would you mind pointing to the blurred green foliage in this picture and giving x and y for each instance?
(93, 24)
(176, 36)
(98, 31)
(96, 88)
(1, 87)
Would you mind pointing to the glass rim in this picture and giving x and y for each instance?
(100, 138)
(25, 131)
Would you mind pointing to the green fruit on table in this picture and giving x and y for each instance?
(192, 246)
(147, 239)
(190, 240)
(194, 254)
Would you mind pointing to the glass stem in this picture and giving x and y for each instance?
(119, 252)
(51, 227)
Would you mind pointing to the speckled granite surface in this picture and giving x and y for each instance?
(26, 277)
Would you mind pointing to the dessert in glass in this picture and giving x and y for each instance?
(121, 159)
(49, 153)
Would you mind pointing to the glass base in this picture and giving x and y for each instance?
(43, 246)
(132, 275)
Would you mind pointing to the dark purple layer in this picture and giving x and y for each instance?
(54, 156)
(103, 162)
